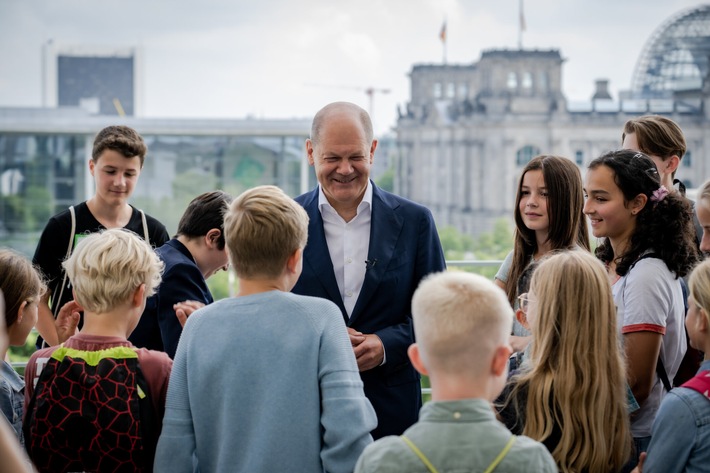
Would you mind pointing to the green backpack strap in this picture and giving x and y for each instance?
(432, 469)
(419, 453)
(501, 455)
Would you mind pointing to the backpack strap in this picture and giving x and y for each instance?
(501, 455)
(700, 383)
(432, 469)
(55, 307)
(662, 375)
(419, 453)
(145, 227)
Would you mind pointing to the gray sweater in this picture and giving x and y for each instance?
(265, 383)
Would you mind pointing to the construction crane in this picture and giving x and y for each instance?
(369, 91)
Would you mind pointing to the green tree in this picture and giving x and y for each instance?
(493, 245)
(386, 180)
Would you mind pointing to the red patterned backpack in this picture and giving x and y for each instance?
(91, 411)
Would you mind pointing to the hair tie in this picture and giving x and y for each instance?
(659, 194)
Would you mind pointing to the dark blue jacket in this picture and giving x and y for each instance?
(405, 247)
(159, 328)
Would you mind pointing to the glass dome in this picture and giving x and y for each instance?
(676, 58)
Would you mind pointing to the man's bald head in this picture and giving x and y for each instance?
(341, 108)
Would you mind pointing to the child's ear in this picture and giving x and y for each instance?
(501, 356)
(21, 312)
(138, 296)
(293, 260)
(212, 237)
(702, 323)
(415, 357)
(522, 319)
(671, 164)
(638, 203)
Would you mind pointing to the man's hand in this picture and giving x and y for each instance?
(185, 309)
(67, 320)
(356, 337)
(368, 348)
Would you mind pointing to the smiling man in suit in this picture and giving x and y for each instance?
(367, 251)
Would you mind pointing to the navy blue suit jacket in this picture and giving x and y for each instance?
(404, 247)
(159, 328)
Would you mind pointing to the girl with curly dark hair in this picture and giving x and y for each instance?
(648, 245)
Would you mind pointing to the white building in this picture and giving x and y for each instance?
(469, 129)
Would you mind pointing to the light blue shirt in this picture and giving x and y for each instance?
(266, 382)
(681, 433)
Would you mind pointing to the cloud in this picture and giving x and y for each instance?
(232, 58)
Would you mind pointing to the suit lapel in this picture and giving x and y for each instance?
(316, 254)
(385, 228)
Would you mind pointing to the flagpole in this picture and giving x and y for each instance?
(442, 36)
(521, 25)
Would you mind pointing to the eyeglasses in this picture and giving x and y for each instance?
(524, 300)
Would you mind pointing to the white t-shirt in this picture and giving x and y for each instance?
(650, 299)
(502, 276)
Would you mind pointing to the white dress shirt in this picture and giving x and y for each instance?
(348, 245)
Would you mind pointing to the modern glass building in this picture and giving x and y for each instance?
(44, 156)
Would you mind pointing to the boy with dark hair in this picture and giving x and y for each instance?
(96, 402)
(116, 162)
(196, 253)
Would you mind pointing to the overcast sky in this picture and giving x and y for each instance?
(281, 58)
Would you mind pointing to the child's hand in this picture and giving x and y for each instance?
(67, 320)
(639, 467)
(185, 309)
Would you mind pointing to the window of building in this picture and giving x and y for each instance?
(450, 90)
(437, 90)
(527, 80)
(687, 160)
(542, 81)
(512, 80)
(463, 90)
(579, 157)
(525, 154)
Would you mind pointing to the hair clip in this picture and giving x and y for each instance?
(659, 194)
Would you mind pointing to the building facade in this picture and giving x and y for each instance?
(102, 80)
(468, 130)
(44, 156)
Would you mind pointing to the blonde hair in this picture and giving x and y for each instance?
(699, 285)
(704, 192)
(263, 227)
(107, 267)
(459, 320)
(576, 377)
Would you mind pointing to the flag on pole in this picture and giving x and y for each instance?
(442, 34)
